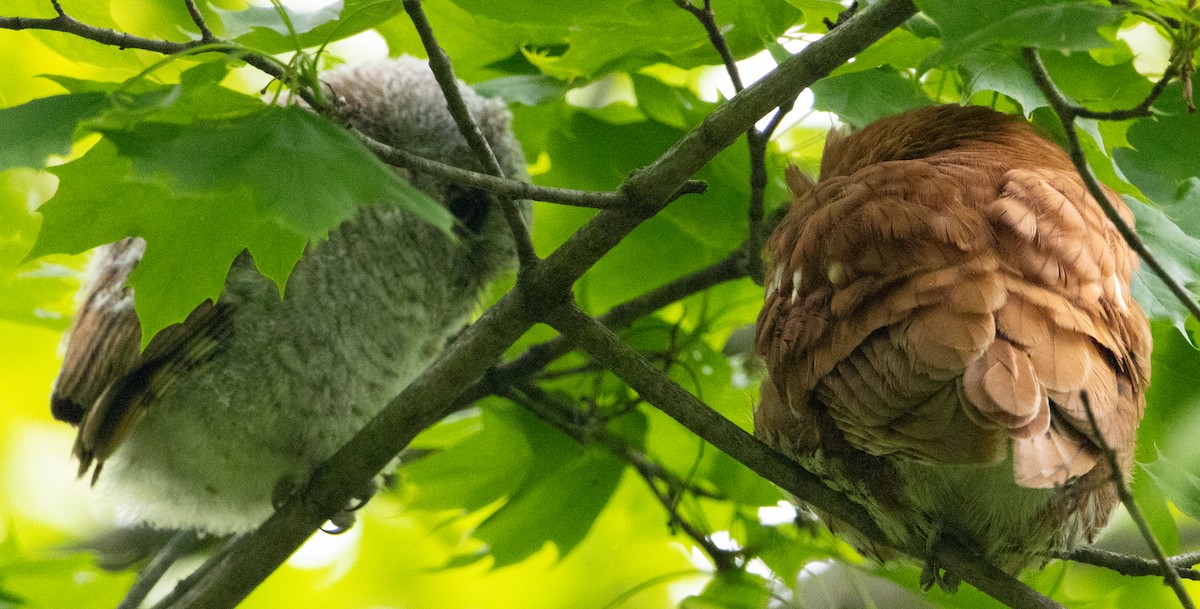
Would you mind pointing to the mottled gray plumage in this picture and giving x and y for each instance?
(293, 379)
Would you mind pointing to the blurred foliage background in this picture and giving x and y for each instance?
(497, 507)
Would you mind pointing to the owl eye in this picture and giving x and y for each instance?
(469, 205)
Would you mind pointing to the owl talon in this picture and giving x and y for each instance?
(341, 522)
(933, 573)
(344, 520)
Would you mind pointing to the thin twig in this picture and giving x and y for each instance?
(679, 404)
(180, 543)
(723, 560)
(394, 156)
(1142, 109)
(504, 187)
(123, 40)
(431, 396)
(443, 70)
(206, 34)
(1133, 565)
(1067, 112)
(566, 419)
(537, 357)
(756, 141)
(706, 18)
(168, 601)
(1118, 479)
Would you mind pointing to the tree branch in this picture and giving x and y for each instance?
(682, 406)
(232, 576)
(756, 141)
(1118, 479)
(122, 40)
(206, 34)
(568, 420)
(704, 14)
(1129, 564)
(504, 187)
(393, 156)
(443, 71)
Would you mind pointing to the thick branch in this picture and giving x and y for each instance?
(653, 186)
(682, 406)
(424, 402)
(432, 395)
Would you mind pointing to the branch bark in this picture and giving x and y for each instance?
(682, 406)
(434, 393)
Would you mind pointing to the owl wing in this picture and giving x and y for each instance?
(1070, 312)
(105, 384)
(901, 307)
(105, 337)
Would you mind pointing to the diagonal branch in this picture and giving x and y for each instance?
(433, 395)
(567, 420)
(1135, 513)
(682, 406)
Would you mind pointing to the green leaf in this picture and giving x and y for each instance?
(817, 11)
(574, 493)
(1156, 511)
(1163, 154)
(69, 581)
(262, 28)
(192, 236)
(731, 590)
(668, 105)
(35, 293)
(900, 49)
(1048, 24)
(586, 39)
(860, 98)
(570, 481)
(1179, 484)
(484, 467)
(33, 131)
(1179, 254)
(528, 89)
(1095, 85)
(1001, 70)
(306, 172)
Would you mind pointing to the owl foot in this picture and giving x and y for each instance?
(933, 573)
(340, 522)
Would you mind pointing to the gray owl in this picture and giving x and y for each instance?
(197, 430)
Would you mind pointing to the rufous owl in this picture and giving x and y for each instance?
(199, 429)
(940, 306)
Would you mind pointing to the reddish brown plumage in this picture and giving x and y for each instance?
(935, 307)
